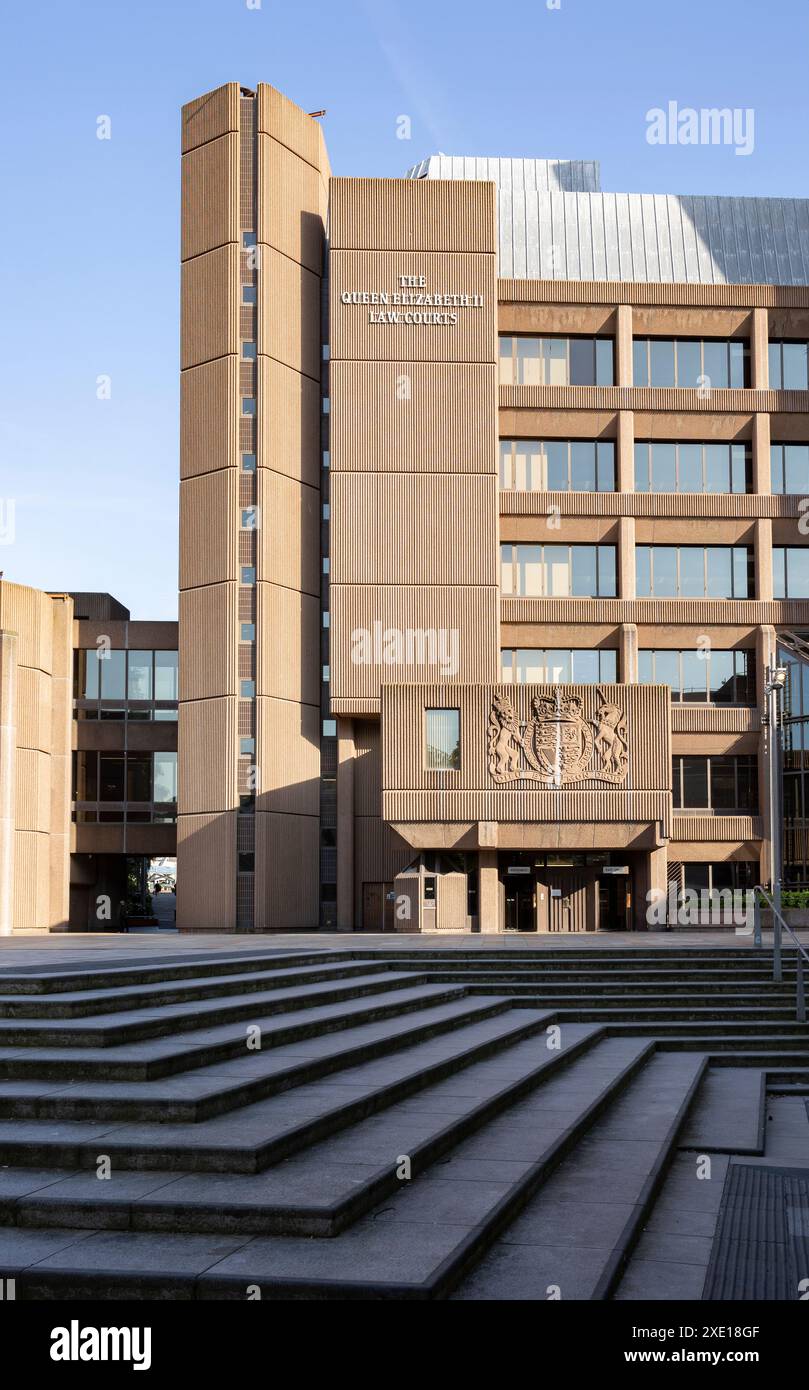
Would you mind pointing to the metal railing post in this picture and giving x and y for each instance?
(777, 972)
(756, 920)
(800, 994)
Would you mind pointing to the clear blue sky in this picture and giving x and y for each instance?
(89, 264)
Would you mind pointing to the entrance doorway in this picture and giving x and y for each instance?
(520, 903)
(377, 907)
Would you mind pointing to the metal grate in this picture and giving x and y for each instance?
(761, 1245)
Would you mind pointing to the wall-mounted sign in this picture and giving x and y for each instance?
(615, 869)
(518, 869)
(412, 303)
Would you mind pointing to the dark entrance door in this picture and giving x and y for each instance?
(377, 907)
(520, 903)
(572, 899)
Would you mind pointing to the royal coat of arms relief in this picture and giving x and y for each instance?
(557, 745)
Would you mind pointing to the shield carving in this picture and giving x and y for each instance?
(558, 741)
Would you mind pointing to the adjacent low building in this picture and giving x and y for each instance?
(88, 758)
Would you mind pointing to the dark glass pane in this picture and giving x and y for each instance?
(723, 682)
(715, 365)
(138, 777)
(582, 362)
(723, 784)
(664, 473)
(605, 452)
(583, 466)
(689, 364)
(642, 467)
(695, 782)
(556, 454)
(690, 462)
(696, 877)
(739, 467)
(774, 355)
(112, 778)
(692, 572)
(739, 364)
(640, 369)
(661, 353)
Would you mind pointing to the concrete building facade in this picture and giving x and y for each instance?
(491, 514)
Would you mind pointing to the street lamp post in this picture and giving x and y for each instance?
(774, 682)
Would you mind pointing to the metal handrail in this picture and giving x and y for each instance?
(777, 973)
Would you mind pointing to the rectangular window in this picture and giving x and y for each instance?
(442, 733)
(248, 294)
(248, 238)
(542, 666)
(248, 463)
(139, 675)
(790, 571)
(166, 676)
(248, 574)
(248, 632)
(247, 690)
(89, 686)
(789, 469)
(165, 777)
(562, 571)
(725, 783)
(789, 366)
(717, 363)
(249, 351)
(112, 669)
(248, 405)
(555, 465)
(715, 571)
(247, 862)
(556, 361)
(247, 747)
(687, 467)
(720, 677)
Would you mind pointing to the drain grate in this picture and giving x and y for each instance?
(761, 1246)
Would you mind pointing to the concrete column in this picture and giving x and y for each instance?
(762, 481)
(61, 737)
(488, 891)
(623, 345)
(763, 552)
(8, 757)
(625, 452)
(651, 879)
(346, 907)
(765, 656)
(759, 350)
(626, 557)
(628, 653)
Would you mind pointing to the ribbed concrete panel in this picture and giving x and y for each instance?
(33, 795)
(209, 298)
(209, 417)
(526, 807)
(33, 708)
(710, 719)
(209, 116)
(209, 529)
(379, 855)
(290, 193)
(289, 313)
(687, 505)
(207, 772)
(210, 196)
(287, 892)
(288, 421)
(60, 704)
(289, 533)
(707, 828)
(31, 903)
(463, 619)
(657, 611)
(206, 900)
(650, 398)
(289, 736)
(355, 335)
(27, 612)
(291, 126)
(208, 616)
(289, 647)
(411, 402)
(367, 767)
(645, 709)
(398, 529)
(392, 215)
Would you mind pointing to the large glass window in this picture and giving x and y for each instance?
(790, 564)
(687, 467)
(789, 468)
(123, 676)
(557, 465)
(139, 675)
(166, 682)
(547, 666)
(694, 571)
(718, 677)
(795, 736)
(442, 735)
(556, 361)
(558, 571)
(717, 363)
(789, 365)
(727, 783)
(165, 777)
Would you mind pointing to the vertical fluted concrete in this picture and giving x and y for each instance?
(8, 751)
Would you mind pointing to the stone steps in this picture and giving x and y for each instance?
(44, 979)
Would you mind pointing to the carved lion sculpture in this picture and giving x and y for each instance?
(611, 738)
(504, 740)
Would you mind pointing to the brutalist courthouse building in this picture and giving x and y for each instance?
(491, 500)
